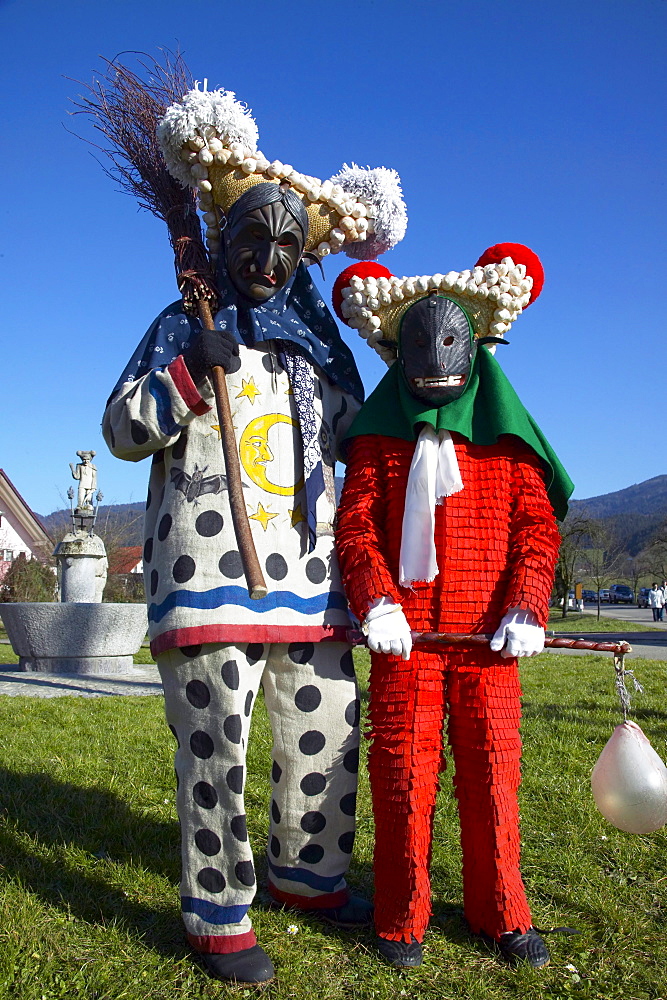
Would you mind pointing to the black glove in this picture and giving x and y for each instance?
(211, 347)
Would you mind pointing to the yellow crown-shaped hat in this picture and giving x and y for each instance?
(503, 282)
(209, 142)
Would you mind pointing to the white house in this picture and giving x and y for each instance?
(20, 531)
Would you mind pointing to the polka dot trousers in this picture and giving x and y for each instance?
(311, 697)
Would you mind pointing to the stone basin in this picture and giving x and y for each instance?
(75, 637)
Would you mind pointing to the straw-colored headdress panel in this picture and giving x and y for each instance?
(209, 141)
(506, 278)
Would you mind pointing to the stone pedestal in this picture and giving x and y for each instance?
(75, 637)
(82, 565)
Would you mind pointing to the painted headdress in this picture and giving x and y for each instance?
(209, 142)
(503, 282)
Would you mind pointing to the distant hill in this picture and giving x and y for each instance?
(633, 514)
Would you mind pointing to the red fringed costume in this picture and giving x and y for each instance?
(497, 545)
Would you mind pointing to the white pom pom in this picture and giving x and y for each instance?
(379, 190)
(356, 283)
(222, 157)
(249, 165)
(275, 169)
(323, 249)
(450, 279)
(503, 315)
(214, 113)
(198, 171)
(471, 287)
(204, 186)
(205, 157)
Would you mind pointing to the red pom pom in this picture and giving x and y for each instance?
(520, 254)
(362, 269)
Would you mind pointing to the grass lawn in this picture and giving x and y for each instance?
(89, 861)
(575, 622)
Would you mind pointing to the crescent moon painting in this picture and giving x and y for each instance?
(257, 454)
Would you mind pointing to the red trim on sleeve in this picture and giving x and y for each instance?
(189, 392)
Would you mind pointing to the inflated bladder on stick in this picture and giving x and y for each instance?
(629, 782)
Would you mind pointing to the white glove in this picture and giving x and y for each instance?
(387, 629)
(518, 634)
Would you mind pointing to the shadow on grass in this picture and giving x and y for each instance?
(60, 817)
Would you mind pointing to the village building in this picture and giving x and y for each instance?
(20, 529)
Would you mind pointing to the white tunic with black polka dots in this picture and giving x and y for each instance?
(195, 587)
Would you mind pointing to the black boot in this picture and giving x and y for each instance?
(252, 965)
(357, 912)
(529, 947)
(400, 954)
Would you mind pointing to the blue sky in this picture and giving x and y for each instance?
(527, 122)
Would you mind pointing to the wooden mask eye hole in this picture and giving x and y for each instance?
(447, 341)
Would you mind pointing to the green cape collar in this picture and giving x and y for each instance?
(488, 408)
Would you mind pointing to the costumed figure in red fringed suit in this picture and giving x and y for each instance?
(446, 524)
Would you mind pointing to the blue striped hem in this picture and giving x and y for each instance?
(325, 883)
(212, 913)
(208, 600)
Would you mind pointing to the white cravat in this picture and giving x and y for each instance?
(434, 474)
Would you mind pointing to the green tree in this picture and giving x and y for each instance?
(28, 580)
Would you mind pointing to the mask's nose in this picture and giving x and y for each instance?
(266, 256)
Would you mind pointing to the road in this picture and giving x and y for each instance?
(645, 645)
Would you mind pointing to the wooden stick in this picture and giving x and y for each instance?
(356, 638)
(253, 573)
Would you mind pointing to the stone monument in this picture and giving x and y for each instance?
(79, 634)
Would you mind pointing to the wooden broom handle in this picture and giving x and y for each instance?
(253, 573)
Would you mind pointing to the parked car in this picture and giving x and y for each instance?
(604, 597)
(589, 596)
(620, 593)
(642, 598)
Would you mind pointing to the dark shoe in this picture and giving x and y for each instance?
(400, 954)
(252, 965)
(357, 912)
(529, 947)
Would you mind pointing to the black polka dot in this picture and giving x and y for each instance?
(311, 853)
(230, 565)
(248, 704)
(234, 779)
(347, 664)
(232, 728)
(311, 742)
(276, 772)
(239, 827)
(313, 783)
(352, 713)
(351, 761)
(178, 449)
(313, 822)
(148, 550)
(197, 694)
(149, 497)
(205, 795)
(138, 432)
(230, 674)
(275, 811)
(308, 698)
(209, 523)
(271, 364)
(191, 651)
(201, 744)
(316, 571)
(254, 651)
(174, 734)
(275, 847)
(158, 457)
(346, 842)
(276, 567)
(245, 872)
(348, 803)
(184, 569)
(208, 842)
(300, 652)
(164, 526)
(154, 582)
(211, 879)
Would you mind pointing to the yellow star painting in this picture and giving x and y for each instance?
(249, 389)
(263, 516)
(296, 515)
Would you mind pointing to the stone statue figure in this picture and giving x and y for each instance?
(86, 473)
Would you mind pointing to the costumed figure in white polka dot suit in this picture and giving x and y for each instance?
(293, 389)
